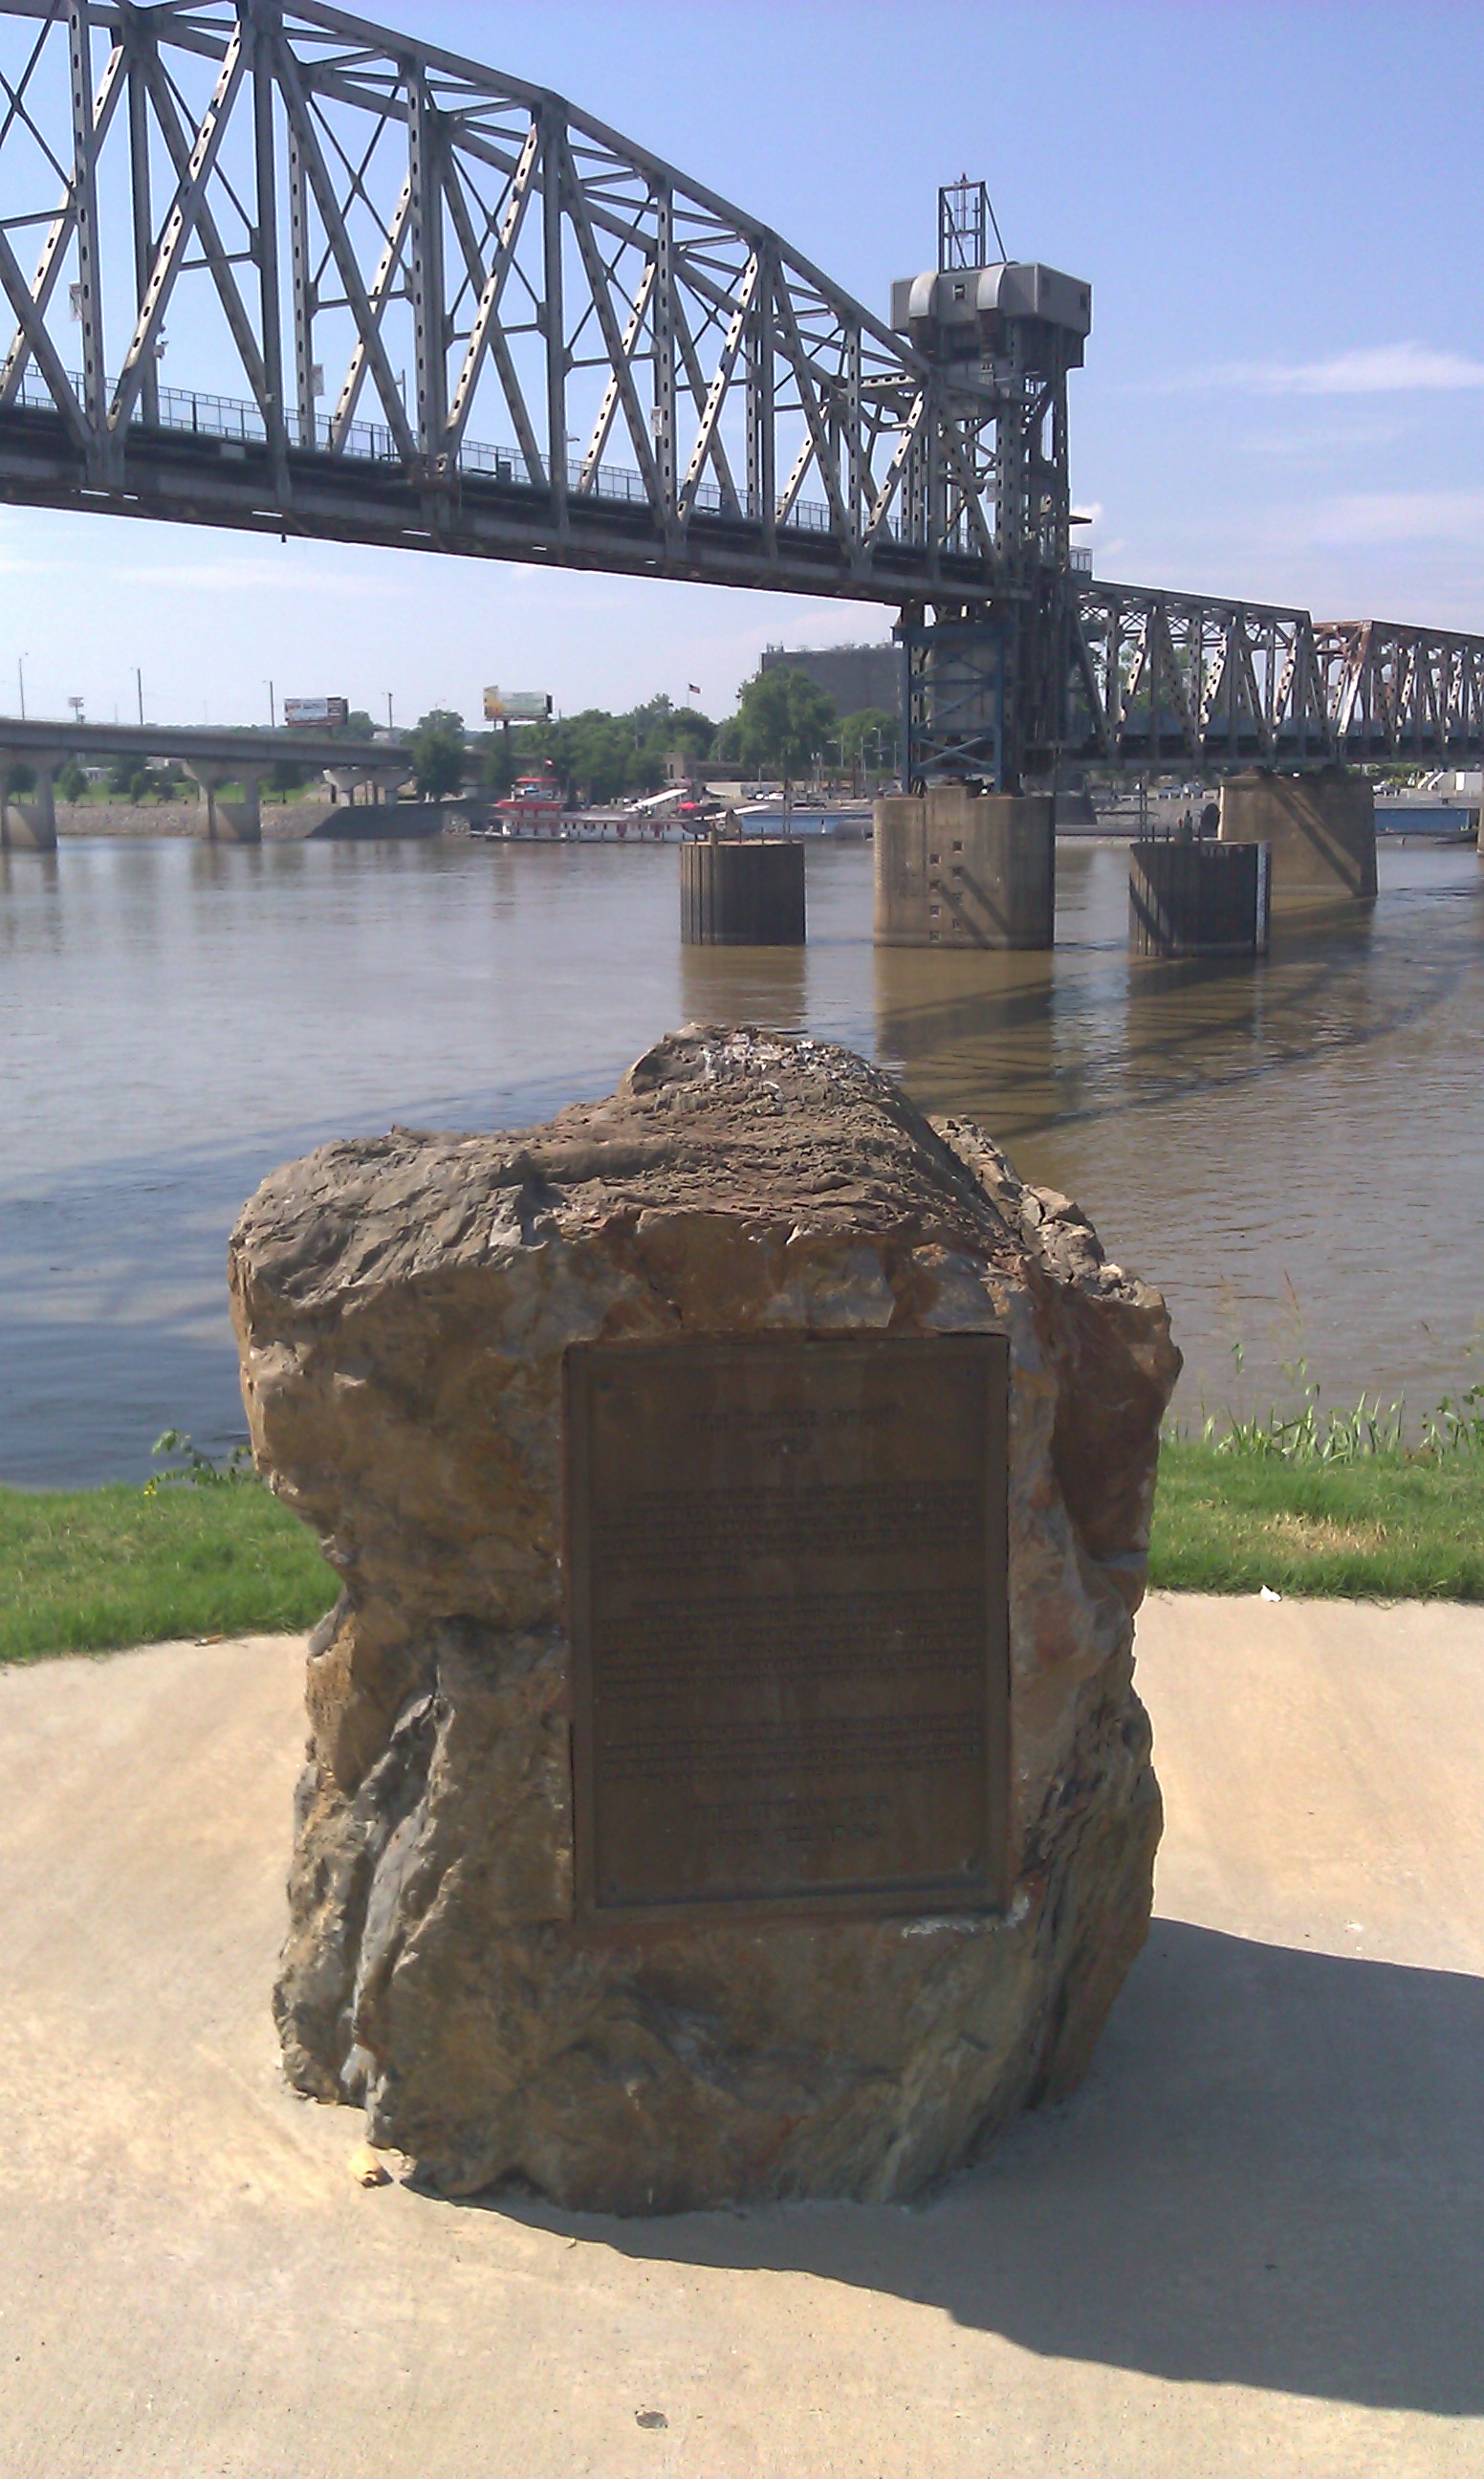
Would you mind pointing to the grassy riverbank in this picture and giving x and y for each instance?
(1385, 1526)
(86, 1571)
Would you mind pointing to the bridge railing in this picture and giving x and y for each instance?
(206, 415)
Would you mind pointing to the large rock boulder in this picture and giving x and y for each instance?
(404, 1305)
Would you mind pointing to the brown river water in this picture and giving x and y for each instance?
(1293, 1151)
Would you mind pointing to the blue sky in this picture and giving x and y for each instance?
(1277, 207)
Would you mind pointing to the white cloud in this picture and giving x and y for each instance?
(1368, 519)
(1408, 368)
(1320, 443)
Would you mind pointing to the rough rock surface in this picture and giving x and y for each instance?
(402, 1306)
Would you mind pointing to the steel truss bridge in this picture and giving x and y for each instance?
(1161, 680)
(447, 311)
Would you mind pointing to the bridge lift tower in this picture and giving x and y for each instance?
(985, 692)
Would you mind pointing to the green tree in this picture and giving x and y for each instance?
(72, 781)
(868, 739)
(499, 763)
(648, 771)
(439, 754)
(595, 755)
(692, 731)
(660, 726)
(651, 721)
(129, 779)
(357, 725)
(286, 777)
(782, 720)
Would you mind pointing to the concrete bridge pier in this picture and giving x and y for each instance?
(1193, 899)
(742, 894)
(382, 782)
(957, 868)
(1321, 827)
(28, 820)
(230, 822)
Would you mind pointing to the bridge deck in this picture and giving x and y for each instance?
(42, 739)
(215, 467)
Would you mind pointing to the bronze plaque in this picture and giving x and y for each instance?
(787, 1564)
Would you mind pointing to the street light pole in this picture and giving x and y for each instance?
(273, 706)
(20, 675)
(139, 691)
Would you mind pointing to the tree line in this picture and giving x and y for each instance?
(783, 726)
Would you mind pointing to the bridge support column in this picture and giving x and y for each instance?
(28, 820)
(1322, 829)
(382, 780)
(956, 868)
(378, 817)
(1191, 899)
(230, 822)
(742, 894)
(954, 699)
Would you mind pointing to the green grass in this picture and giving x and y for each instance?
(88, 1570)
(91, 1571)
(1384, 1526)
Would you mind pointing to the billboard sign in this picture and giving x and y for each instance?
(302, 714)
(516, 705)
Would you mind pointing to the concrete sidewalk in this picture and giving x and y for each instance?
(1253, 2245)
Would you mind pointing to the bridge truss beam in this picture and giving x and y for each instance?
(442, 308)
(1165, 680)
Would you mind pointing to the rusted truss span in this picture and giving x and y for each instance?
(386, 253)
(1174, 679)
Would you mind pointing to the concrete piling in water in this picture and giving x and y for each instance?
(230, 822)
(379, 777)
(1191, 899)
(957, 868)
(1321, 827)
(742, 894)
(28, 819)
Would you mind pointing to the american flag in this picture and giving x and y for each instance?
(692, 688)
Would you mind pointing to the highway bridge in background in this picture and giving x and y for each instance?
(231, 768)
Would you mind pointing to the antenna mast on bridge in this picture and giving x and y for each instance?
(965, 219)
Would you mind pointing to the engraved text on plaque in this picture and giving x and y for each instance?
(788, 1622)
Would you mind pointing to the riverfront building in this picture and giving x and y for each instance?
(856, 678)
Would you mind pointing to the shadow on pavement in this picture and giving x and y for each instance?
(1274, 2177)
